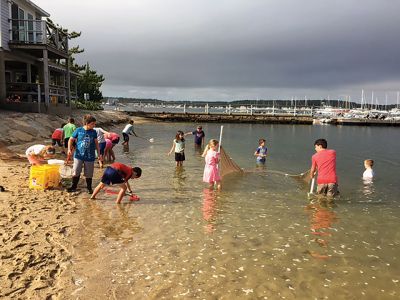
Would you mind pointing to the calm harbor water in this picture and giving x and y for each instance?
(261, 237)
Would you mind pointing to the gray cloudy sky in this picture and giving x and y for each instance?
(238, 49)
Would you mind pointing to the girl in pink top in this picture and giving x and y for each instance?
(211, 172)
(108, 151)
(113, 137)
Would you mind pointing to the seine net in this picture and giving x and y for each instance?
(302, 177)
(227, 165)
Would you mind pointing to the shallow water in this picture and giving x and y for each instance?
(261, 237)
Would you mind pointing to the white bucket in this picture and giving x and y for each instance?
(66, 171)
(55, 162)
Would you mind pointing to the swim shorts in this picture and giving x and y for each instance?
(328, 189)
(111, 176)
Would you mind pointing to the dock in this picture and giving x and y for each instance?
(224, 118)
(366, 122)
(256, 119)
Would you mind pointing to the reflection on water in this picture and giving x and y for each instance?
(261, 165)
(179, 181)
(322, 217)
(209, 208)
(198, 150)
(111, 222)
(368, 189)
(125, 148)
(258, 238)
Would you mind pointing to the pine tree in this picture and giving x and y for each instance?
(90, 82)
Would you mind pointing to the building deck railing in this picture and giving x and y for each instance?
(38, 32)
(26, 91)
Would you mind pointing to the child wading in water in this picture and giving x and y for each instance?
(211, 157)
(178, 145)
(127, 131)
(369, 172)
(261, 152)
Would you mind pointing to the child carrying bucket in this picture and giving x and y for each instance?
(120, 174)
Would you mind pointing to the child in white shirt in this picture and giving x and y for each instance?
(369, 172)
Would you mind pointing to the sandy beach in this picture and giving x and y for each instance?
(35, 226)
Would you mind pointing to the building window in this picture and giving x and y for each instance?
(21, 25)
(31, 32)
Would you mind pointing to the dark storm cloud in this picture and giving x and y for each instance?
(285, 44)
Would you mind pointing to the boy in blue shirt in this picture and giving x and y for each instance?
(85, 155)
(261, 152)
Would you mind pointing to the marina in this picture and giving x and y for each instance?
(265, 115)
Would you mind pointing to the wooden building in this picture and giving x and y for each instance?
(34, 68)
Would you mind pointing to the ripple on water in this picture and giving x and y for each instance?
(258, 237)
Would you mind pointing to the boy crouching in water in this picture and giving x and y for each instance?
(120, 174)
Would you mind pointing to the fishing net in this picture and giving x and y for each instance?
(302, 177)
(227, 165)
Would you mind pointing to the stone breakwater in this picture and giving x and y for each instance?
(224, 118)
(255, 119)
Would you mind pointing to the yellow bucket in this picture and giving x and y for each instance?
(44, 176)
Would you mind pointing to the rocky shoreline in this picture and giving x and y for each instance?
(19, 128)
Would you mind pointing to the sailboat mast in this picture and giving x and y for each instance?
(372, 100)
(386, 101)
(362, 99)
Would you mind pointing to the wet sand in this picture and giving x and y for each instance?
(37, 230)
(34, 227)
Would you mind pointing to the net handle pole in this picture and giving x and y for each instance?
(220, 138)
(312, 185)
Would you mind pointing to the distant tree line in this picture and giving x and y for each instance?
(260, 103)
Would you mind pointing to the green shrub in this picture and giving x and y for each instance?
(88, 105)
